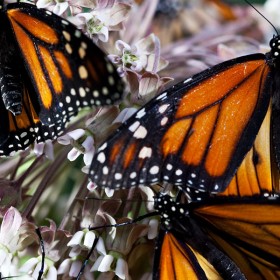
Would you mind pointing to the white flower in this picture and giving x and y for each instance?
(86, 147)
(9, 237)
(102, 19)
(34, 265)
(45, 148)
(56, 6)
(104, 263)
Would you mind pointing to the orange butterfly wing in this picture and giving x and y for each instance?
(180, 261)
(194, 135)
(55, 68)
(248, 232)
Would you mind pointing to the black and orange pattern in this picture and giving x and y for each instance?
(221, 238)
(232, 235)
(49, 71)
(196, 134)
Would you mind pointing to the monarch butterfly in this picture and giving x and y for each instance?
(196, 133)
(49, 70)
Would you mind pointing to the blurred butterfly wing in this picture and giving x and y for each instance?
(194, 135)
(176, 260)
(61, 70)
(248, 231)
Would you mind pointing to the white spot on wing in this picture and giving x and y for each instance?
(66, 35)
(145, 152)
(140, 133)
(179, 172)
(164, 121)
(83, 72)
(163, 108)
(154, 170)
(162, 96)
(118, 176)
(140, 114)
(104, 146)
(101, 157)
(134, 126)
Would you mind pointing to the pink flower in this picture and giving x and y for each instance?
(139, 63)
(56, 6)
(82, 144)
(106, 16)
(45, 148)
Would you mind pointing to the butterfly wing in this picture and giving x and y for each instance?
(194, 135)
(176, 260)
(254, 177)
(64, 71)
(248, 231)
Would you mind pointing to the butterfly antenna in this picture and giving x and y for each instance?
(43, 253)
(263, 16)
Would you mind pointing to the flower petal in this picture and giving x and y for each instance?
(64, 266)
(75, 268)
(124, 115)
(76, 239)
(10, 225)
(89, 239)
(52, 273)
(60, 8)
(122, 269)
(105, 264)
(73, 154)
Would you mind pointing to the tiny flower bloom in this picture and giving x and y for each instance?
(9, 228)
(34, 265)
(139, 63)
(56, 6)
(122, 269)
(45, 148)
(9, 239)
(76, 239)
(105, 17)
(83, 144)
(67, 138)
(103, 263)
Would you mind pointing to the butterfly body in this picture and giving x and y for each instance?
(195, 134)
(49, 71)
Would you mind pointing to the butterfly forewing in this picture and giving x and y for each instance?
(194, 135)
(61, 72)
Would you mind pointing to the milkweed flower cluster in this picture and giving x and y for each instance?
(48, 183)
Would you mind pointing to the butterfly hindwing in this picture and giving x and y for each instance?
(195, 135)
(251, 237)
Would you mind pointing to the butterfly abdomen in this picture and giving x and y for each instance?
(11, 89)
(10, 79)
